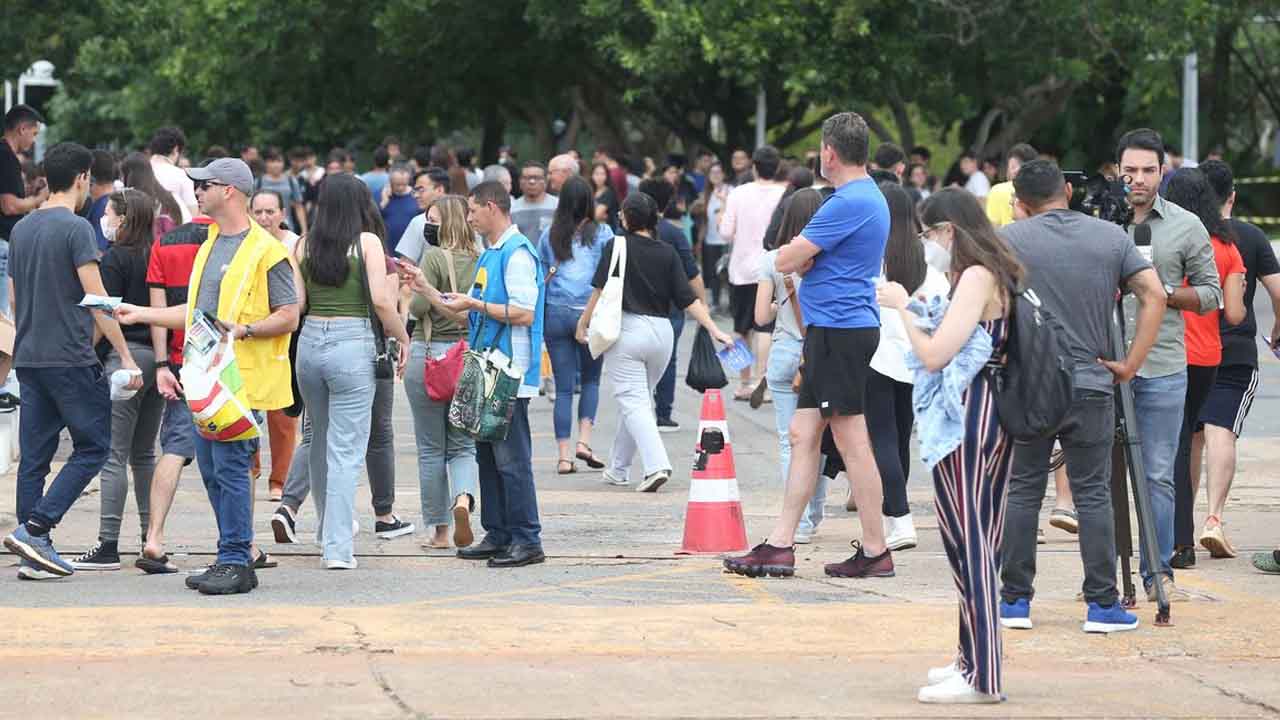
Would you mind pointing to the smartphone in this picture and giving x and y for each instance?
(1274, 351)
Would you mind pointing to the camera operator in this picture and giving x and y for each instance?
(1179, 248)
(1076, 264)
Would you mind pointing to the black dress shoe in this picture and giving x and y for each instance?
(485, 550)
(519, 556)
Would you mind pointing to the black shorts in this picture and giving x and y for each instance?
(1230, 398)
(742, 301)
(837, 363)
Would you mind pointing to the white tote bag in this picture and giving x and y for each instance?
(606, 319)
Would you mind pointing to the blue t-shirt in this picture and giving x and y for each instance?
(376, 182)
(851, 228)
(96, 211)
(398, 213)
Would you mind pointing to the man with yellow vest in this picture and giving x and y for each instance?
(243, 277)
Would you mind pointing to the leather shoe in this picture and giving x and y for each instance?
(519, 556)
(485, 550)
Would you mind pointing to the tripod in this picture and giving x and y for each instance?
(1126, 455)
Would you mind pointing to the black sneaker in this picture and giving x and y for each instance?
(8, 403)
(1184, 558)
(394, 529)
(194, 580)
(666, 425)
(283, 526)
(102, 556)
(229, 580)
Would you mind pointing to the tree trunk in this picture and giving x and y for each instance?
(1220, 85)
(491, 135)
(902, 117)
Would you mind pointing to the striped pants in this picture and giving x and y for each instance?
(971, 486)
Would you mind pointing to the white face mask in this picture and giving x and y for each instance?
(938, 257)
(108, 231)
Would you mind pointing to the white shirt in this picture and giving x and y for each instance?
(890, 359)
(175, 180)
(290, 240)
(978, 184)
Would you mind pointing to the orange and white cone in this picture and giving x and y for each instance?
(713, 522)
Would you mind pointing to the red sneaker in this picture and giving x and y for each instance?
(764, 559)
(861, 566)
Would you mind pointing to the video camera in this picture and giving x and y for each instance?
(1101, 197)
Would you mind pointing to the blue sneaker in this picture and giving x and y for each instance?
(38, 550)
(1113, 618)
(1016, 615)
(27, 571)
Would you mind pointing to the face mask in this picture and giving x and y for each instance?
(431, 233)
(938, 257)
(108, 231)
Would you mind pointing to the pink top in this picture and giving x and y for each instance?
(744, 221)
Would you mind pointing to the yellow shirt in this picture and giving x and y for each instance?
(1000, 204)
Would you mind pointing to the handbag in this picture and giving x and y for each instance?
(606, 318)
(485, 396)
(440, 375)
(792, 298)
(383, 365)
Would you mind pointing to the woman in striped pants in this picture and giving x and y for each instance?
(971, 481)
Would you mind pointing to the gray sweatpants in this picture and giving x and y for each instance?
(135, 423)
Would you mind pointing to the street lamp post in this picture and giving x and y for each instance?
(38, 82)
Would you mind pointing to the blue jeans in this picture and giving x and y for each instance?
(53, 398)
(664, 397)
(508, 499)
(441, 446)
(335, 377)
(224, 466)
(784, 360)
(1158, 403)
(571, 362)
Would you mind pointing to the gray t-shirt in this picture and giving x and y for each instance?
(280, 288)
(1076, 263)
(532, 218)
(45, 248)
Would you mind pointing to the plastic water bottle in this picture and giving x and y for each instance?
(119, 379)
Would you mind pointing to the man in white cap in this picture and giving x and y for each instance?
(243, 277)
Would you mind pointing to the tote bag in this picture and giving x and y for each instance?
(606, 319)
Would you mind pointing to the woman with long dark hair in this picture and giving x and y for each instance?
(777, 303)
(889, 386)
(971, 481)
(707, 212)
(1190, 189)
(606, 200)
(342, 264)
(654, 283)
(571, 249)
(135, 422)
(136, 173)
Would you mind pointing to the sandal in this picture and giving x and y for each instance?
(155, 566)
(562, 463)
(264, 561)
(589, 456)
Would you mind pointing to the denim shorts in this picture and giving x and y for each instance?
(178, 431)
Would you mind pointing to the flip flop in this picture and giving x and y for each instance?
(561, 463)
(264, 561)
(155, 566)
(589, 457)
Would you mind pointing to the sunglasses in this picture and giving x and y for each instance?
(205, 184)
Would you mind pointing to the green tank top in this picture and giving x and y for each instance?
(347, 300)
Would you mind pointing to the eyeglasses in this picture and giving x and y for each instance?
(205, 184)
(924, 235)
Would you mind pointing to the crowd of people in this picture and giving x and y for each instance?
(876, 302)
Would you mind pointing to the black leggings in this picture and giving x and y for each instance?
(889, 419)
(1199, 383)
(710, 258)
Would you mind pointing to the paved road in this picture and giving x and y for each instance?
(616, 624)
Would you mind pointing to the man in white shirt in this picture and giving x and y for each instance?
(166, 146)
(428, 186)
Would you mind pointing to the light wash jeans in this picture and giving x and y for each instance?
(1158, 403)
(784, 359)
(440, 445)
(634, 365)
(135, 424)
(10, 384)
(335, 377)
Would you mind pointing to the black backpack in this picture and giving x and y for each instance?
(1034, 385)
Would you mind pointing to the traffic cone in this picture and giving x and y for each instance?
(713, 521)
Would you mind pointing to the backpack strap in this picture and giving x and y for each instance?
(790, 284)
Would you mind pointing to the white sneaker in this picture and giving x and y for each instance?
(341, 564)
(653, 481)
(955, 690)
(608, 478)
(900, 532)
(938, 674)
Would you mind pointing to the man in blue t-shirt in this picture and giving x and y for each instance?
(839, 253)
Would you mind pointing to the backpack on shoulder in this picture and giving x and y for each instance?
(1033, 381)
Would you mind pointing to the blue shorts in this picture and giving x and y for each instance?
(178, 431)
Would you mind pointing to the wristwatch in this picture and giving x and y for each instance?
(1168, 290)
(248, 329)
(162, 364)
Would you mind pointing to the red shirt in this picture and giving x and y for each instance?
(169, 269)
(1204, 344)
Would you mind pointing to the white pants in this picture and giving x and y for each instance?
(633, 366)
